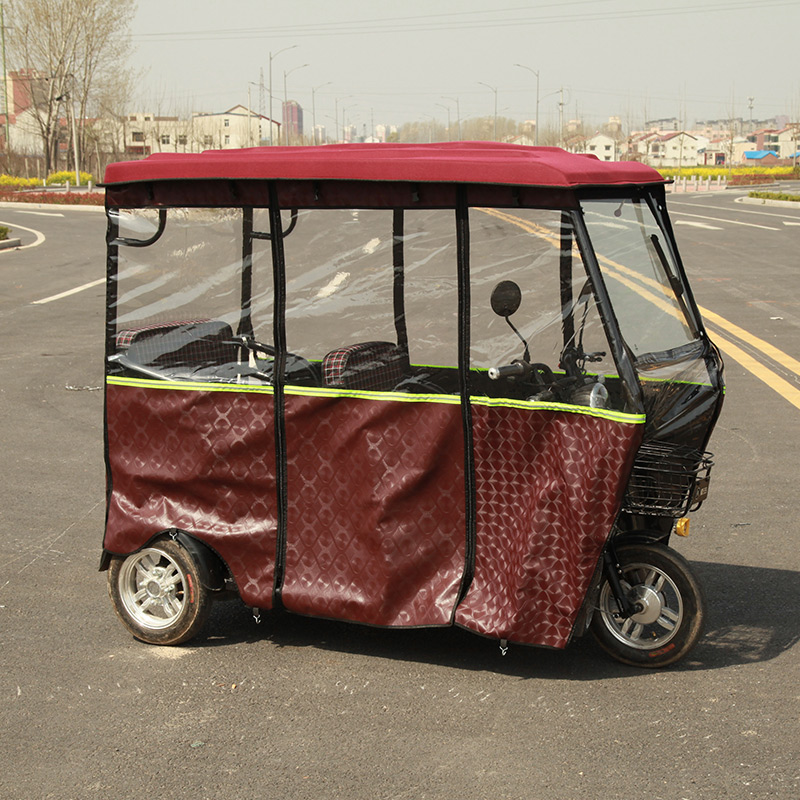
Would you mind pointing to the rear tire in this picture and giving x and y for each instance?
(672, 608)
(157, 593)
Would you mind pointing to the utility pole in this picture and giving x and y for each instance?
(5, 76)
(314, 108)
(458, 113)
(494, 89)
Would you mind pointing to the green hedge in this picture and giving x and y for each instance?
(794, 198)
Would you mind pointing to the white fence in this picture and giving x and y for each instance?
(695, 184)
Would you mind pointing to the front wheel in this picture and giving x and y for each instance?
(670, 604)
(157, 593)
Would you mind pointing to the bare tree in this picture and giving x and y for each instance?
(72, 51)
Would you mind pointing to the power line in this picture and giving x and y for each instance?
(425, 23)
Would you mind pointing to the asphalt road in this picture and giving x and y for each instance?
(309, 709)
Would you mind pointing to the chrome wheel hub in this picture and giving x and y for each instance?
(151, 587)
(659, 608)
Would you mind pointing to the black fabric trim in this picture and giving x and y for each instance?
(464, 309)
(112, 293)
(278, 378)
(245, 320)
(398, 262)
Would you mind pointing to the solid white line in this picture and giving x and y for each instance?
(734, 210)
(698, 225)
(40, 237)
(791, 223)
(40, 213)
(68, 293)
(730, 221)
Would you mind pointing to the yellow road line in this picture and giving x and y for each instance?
(778, 356)
(781, 386)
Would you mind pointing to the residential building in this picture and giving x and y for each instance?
(789, 140)
(600, 145)
(760, 158)
(672, 149)
(237, 127)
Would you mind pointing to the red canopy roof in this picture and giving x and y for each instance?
(447, 162)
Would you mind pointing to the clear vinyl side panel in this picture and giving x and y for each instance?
(178, 311)
(678, 369)
(551, 345)
(357, 282)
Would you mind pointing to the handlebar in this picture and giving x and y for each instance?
(519, 369)
(594, 357)
(540, 373)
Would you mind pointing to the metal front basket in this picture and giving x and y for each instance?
(667, 480)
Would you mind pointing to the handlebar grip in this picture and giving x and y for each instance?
(508, 371)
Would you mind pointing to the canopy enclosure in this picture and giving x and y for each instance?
(299, 350)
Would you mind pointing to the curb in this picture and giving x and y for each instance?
(48, 206)
(759, 201)
(7, 244)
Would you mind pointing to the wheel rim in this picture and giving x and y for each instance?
(152, 587)
(661, 604)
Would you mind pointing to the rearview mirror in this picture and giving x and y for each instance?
(506, 298)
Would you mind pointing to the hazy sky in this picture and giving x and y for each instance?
(392, 61)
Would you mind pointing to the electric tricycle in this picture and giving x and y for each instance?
(406, 386)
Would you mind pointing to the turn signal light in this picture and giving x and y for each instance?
(682, 526)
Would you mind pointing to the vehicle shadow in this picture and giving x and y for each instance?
(751, 618)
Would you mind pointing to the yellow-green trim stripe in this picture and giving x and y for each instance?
(401, 397)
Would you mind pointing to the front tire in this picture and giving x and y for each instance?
(672, 608)
(157, 593)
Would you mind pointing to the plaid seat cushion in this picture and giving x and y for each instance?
(189, 343)
(376, 366)
(126, 338)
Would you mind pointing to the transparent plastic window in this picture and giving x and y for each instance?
(559, 330)
(342, 287)
(371, 302)
(192, 271)
(640, 275)
(179, 298)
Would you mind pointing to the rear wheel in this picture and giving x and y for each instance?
(157, 594)
(670, 603)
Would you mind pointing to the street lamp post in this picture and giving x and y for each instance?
(314, 107)
(271, 56)
(494, 89)
(458, 113)
(249, 114)
(536, 130)
(286, 101)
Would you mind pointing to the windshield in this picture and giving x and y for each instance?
(640, 275)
